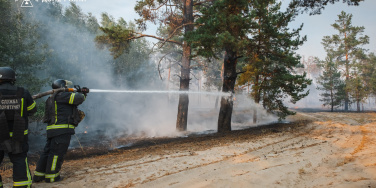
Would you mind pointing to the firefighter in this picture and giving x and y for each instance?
(16, 104)
(62, 117)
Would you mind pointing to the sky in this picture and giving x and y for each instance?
(315, 27)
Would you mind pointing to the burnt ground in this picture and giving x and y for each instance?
(191, 140)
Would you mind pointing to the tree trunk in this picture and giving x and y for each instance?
(182, 117)
(358, 105)
(347, 92)
(225, 112)
(257, 98)
(347, 76)
(332, 99)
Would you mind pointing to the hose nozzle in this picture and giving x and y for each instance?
(83, 90)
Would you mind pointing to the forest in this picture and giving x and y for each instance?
(225, 46)
(220, 94)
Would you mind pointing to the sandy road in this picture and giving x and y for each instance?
(333, 150)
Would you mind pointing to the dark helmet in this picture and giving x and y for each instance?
(7, 74)
(59, 83)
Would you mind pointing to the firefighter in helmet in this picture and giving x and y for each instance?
(16, 104)
(62, 117)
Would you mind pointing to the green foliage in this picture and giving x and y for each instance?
(213, 74)
(316, 6)
(360, 86)
(284, 86)
(167, 13)
(346, 45)
(117, 37)
(223, 25)
(131, 57)
(369, 73)
(331, 84)
(258, 31)
(48, 42)
(38, 116)
(74, 16)
(358, 90)
(92, 24)
(346, 49)
(20, 47)
(271, 59)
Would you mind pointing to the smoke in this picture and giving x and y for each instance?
(312, 101)
(74, 57)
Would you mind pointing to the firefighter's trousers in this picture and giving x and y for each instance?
(52, 158)
(21, 171)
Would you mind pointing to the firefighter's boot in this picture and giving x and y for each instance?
(38, 178)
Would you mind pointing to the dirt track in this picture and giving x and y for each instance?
(317, 150)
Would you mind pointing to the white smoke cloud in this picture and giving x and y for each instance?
(118, 115)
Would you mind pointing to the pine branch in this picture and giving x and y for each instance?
(172, 34)
(152, 36)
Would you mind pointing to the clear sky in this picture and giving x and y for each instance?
(315, 27)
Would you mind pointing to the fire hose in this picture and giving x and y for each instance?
(76, 88)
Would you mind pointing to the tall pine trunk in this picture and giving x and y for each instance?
(225, 112)
(332, 100)
(257, 98)
(347, 100)
(358, 105)
(182, 117)
(347, 76)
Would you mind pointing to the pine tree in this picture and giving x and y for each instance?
(360, 84)
(178, 16)
(224, 25)
(272, 59)
(346, 47)
(331, 84)
(369, 73)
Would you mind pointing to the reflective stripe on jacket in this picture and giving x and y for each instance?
(64, 105)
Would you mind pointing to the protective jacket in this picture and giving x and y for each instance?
(61, 113)
(16, 104)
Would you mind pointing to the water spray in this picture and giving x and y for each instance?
(85, 90)
(160, 92)
(77, 88)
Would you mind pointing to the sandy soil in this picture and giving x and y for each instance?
(316, 150)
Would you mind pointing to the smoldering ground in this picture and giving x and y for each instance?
(113, 116)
